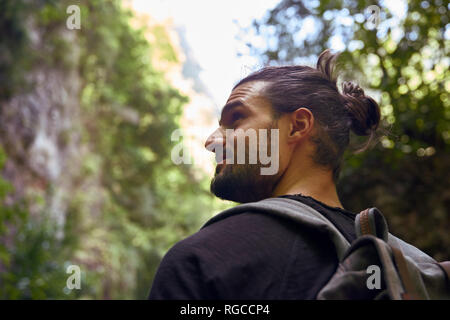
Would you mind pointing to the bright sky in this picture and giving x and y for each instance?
(211, 33)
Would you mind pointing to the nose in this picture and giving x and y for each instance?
(216, 138)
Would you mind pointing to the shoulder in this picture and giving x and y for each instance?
(238, 234)
(237, 257)
(244, 256)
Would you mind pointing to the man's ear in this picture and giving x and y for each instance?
(301, 123)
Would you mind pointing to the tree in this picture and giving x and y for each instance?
(124, 202)
(404, 64)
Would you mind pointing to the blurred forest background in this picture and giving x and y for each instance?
(86, 119)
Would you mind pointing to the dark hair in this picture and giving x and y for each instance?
(292, 87)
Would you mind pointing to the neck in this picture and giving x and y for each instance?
(309, 181)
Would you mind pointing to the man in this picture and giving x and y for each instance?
(252, 255)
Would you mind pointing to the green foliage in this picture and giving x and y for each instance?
(135, 112)
(35, 261)
(13, 43)
(404, 64)
(130, 202)
(27, 251)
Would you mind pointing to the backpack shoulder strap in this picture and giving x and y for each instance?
(294, 211)
(372, 222)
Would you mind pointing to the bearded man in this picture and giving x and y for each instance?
(252, 255)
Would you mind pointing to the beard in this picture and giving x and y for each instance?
(244, 183)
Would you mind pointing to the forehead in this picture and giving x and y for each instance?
(249, 95)
(248, 90)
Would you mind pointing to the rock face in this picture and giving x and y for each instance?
(86, 144)
(40, 133)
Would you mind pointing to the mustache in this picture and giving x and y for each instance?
(222, 153)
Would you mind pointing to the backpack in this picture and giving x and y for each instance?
(376, 265)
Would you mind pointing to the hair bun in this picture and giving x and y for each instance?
(352, 89)
(363, 110)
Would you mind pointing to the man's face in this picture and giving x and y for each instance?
(246, 109)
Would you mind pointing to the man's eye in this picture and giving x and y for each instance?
(236, 116)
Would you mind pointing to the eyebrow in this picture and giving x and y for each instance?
(229, 106)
